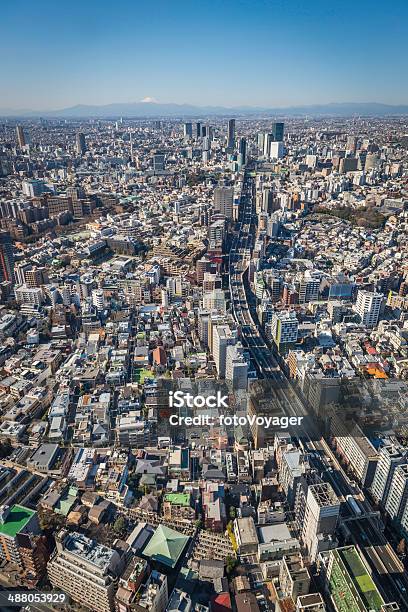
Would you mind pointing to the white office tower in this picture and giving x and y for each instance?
(396, 501)
(188, 130)
(291, 469)
(261, 137)
(171, 286)
(33, 336)
(98, 299)
(267, 140)
(223, 336)
(236, 369)
(215, 300)
(223, 201)
(368, 307)
(351, 145)
(276, 150)
(164, 298)
(216, 232)
(390, 457)
(320, 520)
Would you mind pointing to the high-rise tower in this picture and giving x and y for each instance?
(6, 258)
(231, 134)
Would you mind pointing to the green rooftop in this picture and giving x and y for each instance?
(66, 502)
(178, 499)
(364, 587)
(166, 546)
(142, 374)
(16, 519)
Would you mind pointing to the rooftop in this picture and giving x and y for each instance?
(178, 499)
(166, 546)
(89, 550)
(15, 520)
(363, 583)
(247, 530)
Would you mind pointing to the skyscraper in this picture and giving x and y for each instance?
(188, 130)
(231, 134)
(20, 136)
(131, 146)
(80, 143)
(159, 161)
(309, 288)
(243, 149)
(277, 131)
(223, 200)
(276, 150)
(6, 258)
(198, 129)
(267, 141)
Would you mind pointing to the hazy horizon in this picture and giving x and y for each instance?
(226, 106)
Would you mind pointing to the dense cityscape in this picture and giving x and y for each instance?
(204, 363)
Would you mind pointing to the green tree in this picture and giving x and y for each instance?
(230, 563)
(5, 448)
(119, 525)
(50, 521)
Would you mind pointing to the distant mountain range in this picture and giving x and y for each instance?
(155, 109)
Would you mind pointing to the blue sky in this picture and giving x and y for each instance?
(261, 52)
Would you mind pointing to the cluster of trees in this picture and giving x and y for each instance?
(196, 178)
(6, 448)
(50, 522)
(230, 563)
(120, 526)
(366, 216)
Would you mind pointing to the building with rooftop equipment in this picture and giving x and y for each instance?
(320, 519)
(85, 570)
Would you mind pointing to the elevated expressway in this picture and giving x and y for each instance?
(395, 583)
